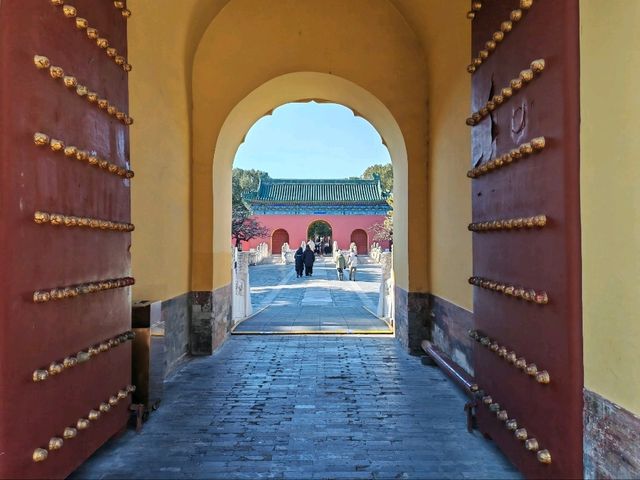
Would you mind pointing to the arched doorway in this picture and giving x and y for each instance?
(278, 238)
(295, 87)
(359, 237)
(321, 233)
(304, 86)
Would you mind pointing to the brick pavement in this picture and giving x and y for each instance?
(304, 407)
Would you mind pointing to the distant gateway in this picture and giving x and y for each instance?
(288, 207)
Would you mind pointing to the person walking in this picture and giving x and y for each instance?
(353, 265)
(309, 257)
(299, 260)
(341, 264)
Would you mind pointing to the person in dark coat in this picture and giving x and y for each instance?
(308, 258)
(299, 258)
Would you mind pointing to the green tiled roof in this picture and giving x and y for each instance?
(341, 191)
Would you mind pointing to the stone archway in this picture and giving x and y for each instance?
(211, 76)
(328, 55)
(386, 85)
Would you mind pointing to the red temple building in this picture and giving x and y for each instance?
(350, 207)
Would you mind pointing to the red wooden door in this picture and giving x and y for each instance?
(279, 238)
(359, 237)
(65, 234)
(526, 240)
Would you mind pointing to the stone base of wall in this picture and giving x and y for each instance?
(210, 320)
(411, 319)
(422, 316)
(611, 439)
(450, 325)
(195, 323)
(175, 317)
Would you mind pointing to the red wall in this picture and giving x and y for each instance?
(297, 225)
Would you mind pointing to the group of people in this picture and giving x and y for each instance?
(305, 257)
(322, 245)
(351, 261)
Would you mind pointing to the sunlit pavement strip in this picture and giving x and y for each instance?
(320, 304)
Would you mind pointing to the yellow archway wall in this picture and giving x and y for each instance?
(445, 35)
(250, 43)
(290, 88)
(163, 38)
(610, 175)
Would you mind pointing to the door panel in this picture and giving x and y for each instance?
(280, 237)
(543, 256)
(39, 257)
(359, 237)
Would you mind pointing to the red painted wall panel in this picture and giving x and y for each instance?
(45, 256)
(297, 225)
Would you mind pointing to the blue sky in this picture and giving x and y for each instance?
(311, 140)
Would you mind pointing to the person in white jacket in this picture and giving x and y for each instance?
(353, 265)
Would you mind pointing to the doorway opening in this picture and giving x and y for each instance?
(279, 238)
(319, 216)
(321, 233)
(360, 239)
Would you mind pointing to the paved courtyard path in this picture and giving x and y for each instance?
(317, 304)
(304, 407)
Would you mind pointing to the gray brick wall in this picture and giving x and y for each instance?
(210, 320)
(175, 316)
(413, 323)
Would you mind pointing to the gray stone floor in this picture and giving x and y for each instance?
(317, 304)
(304, 407)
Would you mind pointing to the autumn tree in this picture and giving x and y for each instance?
(383, 231)
(243, 226)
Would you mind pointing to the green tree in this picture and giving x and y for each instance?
(244, 181)
(385, 172)
(319, 228)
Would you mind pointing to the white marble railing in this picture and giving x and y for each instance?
(259, 254)
(375, 252)
(386, 299)
(241, 306)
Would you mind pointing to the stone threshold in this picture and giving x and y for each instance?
(386, 333)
